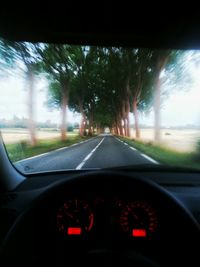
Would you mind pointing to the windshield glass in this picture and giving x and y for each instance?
(87, 107)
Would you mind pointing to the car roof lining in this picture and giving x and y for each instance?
(104, 29)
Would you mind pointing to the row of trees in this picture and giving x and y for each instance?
(104, 85)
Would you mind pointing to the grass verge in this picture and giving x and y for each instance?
(22, 150)
(165, 155)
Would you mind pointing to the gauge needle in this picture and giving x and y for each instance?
(69, 214)
(134, 215)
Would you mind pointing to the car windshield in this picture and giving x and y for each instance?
(87, 107)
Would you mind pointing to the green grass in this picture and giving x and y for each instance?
(165, 155)
(24, 150)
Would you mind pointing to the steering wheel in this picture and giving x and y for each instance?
(27, 245)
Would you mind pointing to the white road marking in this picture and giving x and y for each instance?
(143, 155)
(119, 140)
(89, 155)
(58, 149)
(150, 159)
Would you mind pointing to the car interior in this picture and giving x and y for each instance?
(38, 225)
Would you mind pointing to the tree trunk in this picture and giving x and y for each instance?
(91, 128)
(127, 117)
(120, 128)
(83, 121)
(157, 103)
(161, 63)
(128, 125)
(116, 129)
(64, 115)
(135, 113)
(31, 123)
(98, 129)
(125, 127)
(123, 112)
(82, 126)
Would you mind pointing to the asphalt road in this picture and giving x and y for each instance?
(99, 152)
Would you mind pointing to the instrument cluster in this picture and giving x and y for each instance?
(81, 218)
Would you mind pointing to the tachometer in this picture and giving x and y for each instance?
(75, 217)
(138, 219)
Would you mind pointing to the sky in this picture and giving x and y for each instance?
(14, 97)
(179, 108)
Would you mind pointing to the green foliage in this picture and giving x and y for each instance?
(22, 55)
(197, 152)
(177, 74)
(97, 80)
(100, 84)
(55, 95)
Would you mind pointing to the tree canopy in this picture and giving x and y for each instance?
(104, 84)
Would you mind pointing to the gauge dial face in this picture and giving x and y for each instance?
(138, 219)
(75, 217)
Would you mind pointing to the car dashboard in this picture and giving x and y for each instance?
(93, 216)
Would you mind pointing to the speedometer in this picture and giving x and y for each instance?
(75, 217)
(138, 219)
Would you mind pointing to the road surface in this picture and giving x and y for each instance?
(99, 152)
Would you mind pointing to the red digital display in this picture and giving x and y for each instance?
(74, 231)
(139, 233)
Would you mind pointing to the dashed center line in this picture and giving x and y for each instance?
(88, 156)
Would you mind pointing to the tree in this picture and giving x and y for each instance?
(141, 87)
(137, 78)
(58, 62)
(79, 87)
(13, 53)
(77, 100)
(87, 87)
(171, 61)
(114, 87)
